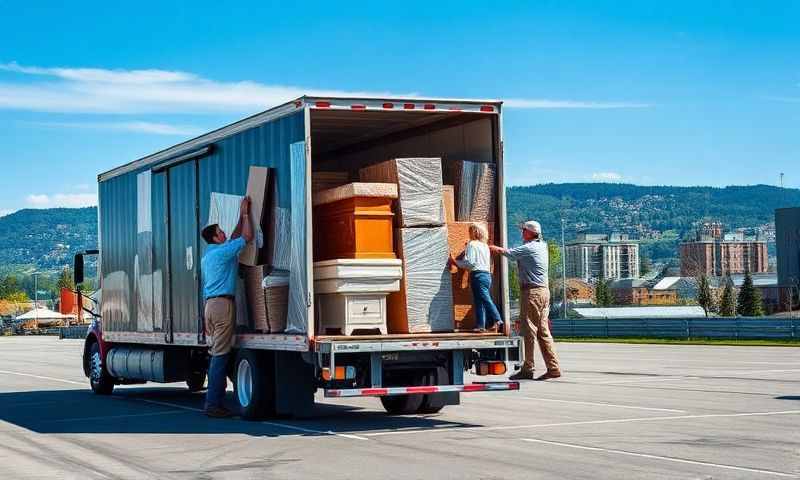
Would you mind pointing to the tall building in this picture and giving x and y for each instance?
(715, 254)
(595, 257)
(787, 245)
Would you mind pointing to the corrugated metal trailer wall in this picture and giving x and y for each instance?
(143, 255)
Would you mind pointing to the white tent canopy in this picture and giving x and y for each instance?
(43, 315)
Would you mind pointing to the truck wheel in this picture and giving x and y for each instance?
(196, 381)
(102, 383)
(251, 388)
(434, 402)
(401, 404)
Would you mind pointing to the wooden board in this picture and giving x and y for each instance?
(257, 189)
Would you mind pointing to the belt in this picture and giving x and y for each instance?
(229, 297)
(529, 286)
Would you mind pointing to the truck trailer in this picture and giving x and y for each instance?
(148, 326)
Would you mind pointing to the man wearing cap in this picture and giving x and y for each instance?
(532, 263)
(220, 267)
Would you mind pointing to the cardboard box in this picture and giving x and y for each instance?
(424, 303)
(419, 185)
(266, 299)
(449, 203)
(327, 180)
(257, 189)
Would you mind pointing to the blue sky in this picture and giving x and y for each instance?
(684, 93)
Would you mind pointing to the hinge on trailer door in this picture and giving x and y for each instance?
(308, 299)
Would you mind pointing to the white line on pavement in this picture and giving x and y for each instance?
(274, 424)
(40, 377)
(106, 417)
(659, 457)
(612, 405)
(642, 380)
(589, 422)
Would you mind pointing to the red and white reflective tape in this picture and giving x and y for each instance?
(440, 106)
(388, 391)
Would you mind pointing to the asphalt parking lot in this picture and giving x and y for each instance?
(620, 411)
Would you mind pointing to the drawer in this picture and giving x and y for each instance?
(365, 307)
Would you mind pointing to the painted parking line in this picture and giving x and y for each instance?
(274, 424)
(643, 380)
(42, 377)
(111, 417)
(586, 422)
(663, 458)
(610, 405)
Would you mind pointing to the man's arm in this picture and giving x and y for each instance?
(245, 226)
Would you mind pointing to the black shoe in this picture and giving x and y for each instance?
(549, 375)
(218, 412)
(522, 375)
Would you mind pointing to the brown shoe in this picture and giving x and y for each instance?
(218, 412)
(549, 375)
(522, 375)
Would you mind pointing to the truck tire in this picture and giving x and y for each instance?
(405, 404)
(196, 381)
(252, 386)
(101, 382)
(434, 402)
(402, 404)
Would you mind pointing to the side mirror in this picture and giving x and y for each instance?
(77, 269)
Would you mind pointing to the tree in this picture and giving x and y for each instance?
(727, 303)
(513, 281)
(704, 296)
(602, 294)
(554, 271)
(65, 280)
(749, 303)
(645, 266)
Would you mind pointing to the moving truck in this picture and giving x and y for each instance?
(149, 326)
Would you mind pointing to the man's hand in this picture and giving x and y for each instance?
(244, 209)
(496, 249)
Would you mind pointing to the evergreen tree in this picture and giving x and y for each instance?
(704, 296)
(513, 281)
(65, 280)
(602, 294)
(749, 303)
(727, 303)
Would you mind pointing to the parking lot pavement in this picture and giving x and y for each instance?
(620, 411)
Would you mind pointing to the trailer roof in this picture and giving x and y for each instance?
(417, 104)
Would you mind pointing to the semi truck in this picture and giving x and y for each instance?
(148, 326)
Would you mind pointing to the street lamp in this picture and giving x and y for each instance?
(36, 298)
(563, 271)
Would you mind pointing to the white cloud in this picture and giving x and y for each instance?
(97, 90)
(72, 200)
(6, 211)
(569, 104)
(138, 126)
(606, 177)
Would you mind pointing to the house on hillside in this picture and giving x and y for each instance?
(640, 292)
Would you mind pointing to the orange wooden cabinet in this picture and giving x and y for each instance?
(354, 222)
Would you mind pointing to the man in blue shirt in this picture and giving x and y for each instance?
(220, 267)
(534, 300)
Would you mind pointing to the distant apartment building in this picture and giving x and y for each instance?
(787, 246)
(715, 253)
(598, 257)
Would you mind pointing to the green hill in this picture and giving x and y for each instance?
(47, 239)
(660, 215)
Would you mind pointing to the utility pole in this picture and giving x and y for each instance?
(563, 270)
(36, 298)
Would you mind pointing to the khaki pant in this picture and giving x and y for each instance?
(534, 312)
(220, 315)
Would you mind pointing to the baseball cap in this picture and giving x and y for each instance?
(532, 225)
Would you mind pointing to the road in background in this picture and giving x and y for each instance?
(620, 411)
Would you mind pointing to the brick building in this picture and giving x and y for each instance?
(715, 254)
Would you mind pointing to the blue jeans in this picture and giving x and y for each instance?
(482, 304)
(217, 380)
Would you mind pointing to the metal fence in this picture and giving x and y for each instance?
(78, 331)
(755, 328)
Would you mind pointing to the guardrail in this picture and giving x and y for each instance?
(753, 328)
(77, 331)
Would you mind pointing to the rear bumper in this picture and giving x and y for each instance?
(389, 391)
